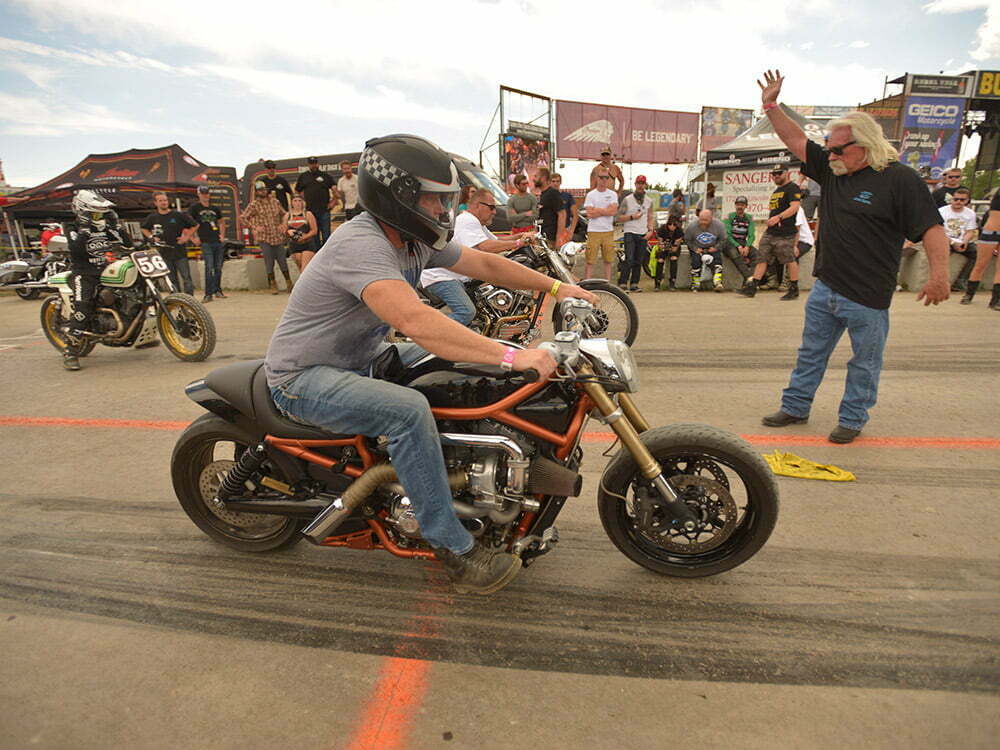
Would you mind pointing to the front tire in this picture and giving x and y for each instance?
(194, 341)
(212, 440)
(52, 324)
(615, 318)
(716, 470)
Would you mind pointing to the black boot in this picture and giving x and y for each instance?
(995, 299)
(970, 291)
(750, 288)
(480, 570)
(70, 361)
(793, 291)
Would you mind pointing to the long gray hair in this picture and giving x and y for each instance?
(868, 135)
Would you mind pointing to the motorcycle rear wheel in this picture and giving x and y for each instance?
(616, 317)
(738, 482)
(51, 326)
(206, 440)
(195, 340)
(28, 294)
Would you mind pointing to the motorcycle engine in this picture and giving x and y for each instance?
(502, 302)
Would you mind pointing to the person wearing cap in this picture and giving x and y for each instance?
(277, 184)
(209, 234)
(265, 215)
(741, 232)
(635, 214)
(618, 179)
(778, 242)
(318, 189)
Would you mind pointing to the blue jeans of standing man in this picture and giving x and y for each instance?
(635, 252)
(212, 254)
(350, 402)
(452, 293)
(323, 227)
(828, 315)
(180, 271)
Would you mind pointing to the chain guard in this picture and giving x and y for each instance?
(711, 502)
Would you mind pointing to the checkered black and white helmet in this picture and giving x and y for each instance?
(411, 185)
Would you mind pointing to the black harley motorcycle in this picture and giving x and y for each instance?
(682, 500)
(30, 275)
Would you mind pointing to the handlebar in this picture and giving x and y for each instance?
(530, 375)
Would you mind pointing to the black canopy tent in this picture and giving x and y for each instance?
(759, 146)
(129, 179)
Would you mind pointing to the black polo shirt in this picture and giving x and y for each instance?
(282, 190)
(315, 188)
(866, 217)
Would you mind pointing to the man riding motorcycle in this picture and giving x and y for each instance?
(319, 361)
(94, 233)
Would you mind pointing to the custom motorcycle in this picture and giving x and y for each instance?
(29, 276)
(682, 500)
(135, 302)
(515, 315)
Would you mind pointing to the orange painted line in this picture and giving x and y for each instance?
(588, 437)
(389, 711)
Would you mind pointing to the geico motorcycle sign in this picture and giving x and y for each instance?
(930, 133)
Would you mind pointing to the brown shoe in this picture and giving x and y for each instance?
(481, 570)
(781, 419)
(843, 434)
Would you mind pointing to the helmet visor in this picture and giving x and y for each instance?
(439, 207)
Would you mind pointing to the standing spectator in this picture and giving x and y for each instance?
(550, 206)
(706, 240)
(522, 207)
(677, 209)
(741, 233)
(810, 191)
(463, 198)
(210, 232)
(347, 190)
(636, 215)
(869, 204)
(470, 231)
(607, 164)
(950, 182)
(170, 230)
(299, 225)
(778, 242)
(989, 243)
(317, 188)
(671, 236)
(264, 216)
(277, 184)
(710, 202)
(804, 242)
(569, 206)
(50, 228)
(601, 205)
(960, 226)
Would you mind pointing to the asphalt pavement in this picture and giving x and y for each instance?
(869, 619)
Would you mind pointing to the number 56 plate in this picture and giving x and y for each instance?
(150, 264)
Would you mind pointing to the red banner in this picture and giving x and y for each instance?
(634, 135)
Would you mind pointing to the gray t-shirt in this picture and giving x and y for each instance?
(698, 237)
(325, 321)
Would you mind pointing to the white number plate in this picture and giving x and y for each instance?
(150, 264)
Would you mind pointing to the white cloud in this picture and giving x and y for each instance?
(31, 115)
(57, 56)
(807, 45)
(859, 44)
(988, 34)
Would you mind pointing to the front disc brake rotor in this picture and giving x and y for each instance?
(713, 505)
(694, 465)
(208, 484)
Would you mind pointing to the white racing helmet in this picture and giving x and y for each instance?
(91, 209)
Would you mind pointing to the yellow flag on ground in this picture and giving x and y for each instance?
(790, 465)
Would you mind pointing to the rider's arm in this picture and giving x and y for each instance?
(396, 303)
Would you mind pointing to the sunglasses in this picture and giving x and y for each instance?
(953, 176)
(839, 150)
(490, 206)
(959, 200)
(604, 177)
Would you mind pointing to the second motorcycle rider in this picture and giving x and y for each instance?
(362, 282)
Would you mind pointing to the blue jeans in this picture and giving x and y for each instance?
(212, 253)
(180, 271)
(350, 402)
(828, 315)
(635, 251)
(323, 227)
(452, 293)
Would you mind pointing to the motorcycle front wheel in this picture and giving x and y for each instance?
(205, 452)
(27, 294)
(193, 340)
(52, 323)
(614, 318)
(721, 478)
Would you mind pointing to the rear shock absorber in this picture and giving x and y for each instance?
(234, 482)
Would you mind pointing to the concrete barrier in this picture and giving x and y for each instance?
(915, 270)
(244, 274)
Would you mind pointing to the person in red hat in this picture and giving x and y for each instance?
(635, 214)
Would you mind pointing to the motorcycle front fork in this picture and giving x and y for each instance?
(627, 423)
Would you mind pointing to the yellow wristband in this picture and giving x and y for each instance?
(555, 287)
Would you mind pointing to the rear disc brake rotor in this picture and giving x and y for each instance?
(712, 503)
(208, 484)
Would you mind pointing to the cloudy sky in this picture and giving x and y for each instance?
(234, 82)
